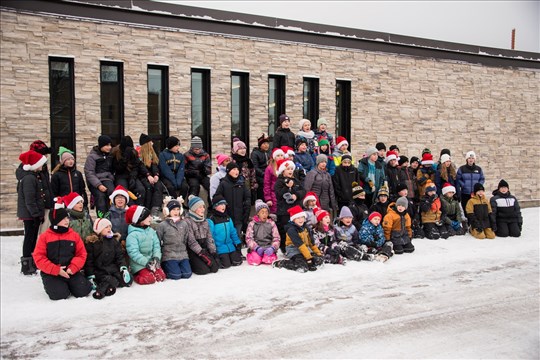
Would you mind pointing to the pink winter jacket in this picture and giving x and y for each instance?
(263, 234)
(270, 179)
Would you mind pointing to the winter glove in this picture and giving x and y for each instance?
(151, 265)
(288, 198)
(311, 265)
(157, 261)
(317, 260)
(269, 251)
(455, 225)
(205, 256)
(125, 274)
(92, 280)
(260, 251)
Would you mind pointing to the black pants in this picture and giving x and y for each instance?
(195, 185)
(282, 220)
(135, 186)
(230, 259)
(153, 196)
(58, 287)
(101, 199)
(31, 229)
(505, 229)
(199, 267)
(172, 191)
(464, 200)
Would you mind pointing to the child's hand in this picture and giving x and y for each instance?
(63, 272)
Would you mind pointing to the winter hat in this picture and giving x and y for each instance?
(64, 154)
(394, 147)
(171, 142)
(259, 205)
(287, 151)
(320, 214)
(445, 151)
(104, 140)
(126, 142)
(56, 215)
(300, 140)
(324, 142)
(263, 139)
(402, 201)
(345, 157)
(321, 158)
(283, 164)
(478, 187)
(380, 146)
(194, 202)
(136, 214)
(71, 199)
(196, 142)
(283, 117)
(310, 195)
(357, 190)
(430, 186)
(322, 121)
(169, 204)
(100, 224)
(302, 122)
(391, 155)
(374, 215)
(427, 159)
(447, 187)
(445, 158)
(143, 139)
(276, 152)
(503, 183)
(470, 154)
(402, 160)
(345, 212)
(173, 204)
(415, 159)
(383, 190)
(426, 151)
(40, 147)
(371, 150)
(218, 200)
(238, 145)
(231, 165)
(220, 158)
(32, 160)
(296, 212)
(400, 187)
(119, 190)
(340, 141)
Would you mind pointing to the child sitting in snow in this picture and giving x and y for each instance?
(397, 226)
(481, 219)
(372, 235)
(323, 237)
(105, 264)
(143, 247)
(310, 202)
(358, 207)
(174, 239)
(303, 255)
(262, 236)
(455, 221)
(348, 240)
(506, 211)
(228, 244)
(433, 213)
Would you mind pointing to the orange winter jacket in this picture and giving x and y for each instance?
(393, 222)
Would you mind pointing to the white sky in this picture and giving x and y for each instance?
(484, 23)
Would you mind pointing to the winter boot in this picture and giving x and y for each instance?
(398, 249)
(98, 295)
(28, 266)
(408, 247)
(156, 219)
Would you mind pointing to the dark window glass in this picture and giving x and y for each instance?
(158, 105)
(112, 100)
(200, 106)
(62, 105)
(311, 99)
(276, 101)
(343, 109)
(240, 106)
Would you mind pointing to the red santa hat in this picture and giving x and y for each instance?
(276, 152)
(320, 214)
(310, 195)
(447, 187)
(71, 199)
(296, 212)
(287, 151)
(427, 159)
(283, 164)
(32, 160)
(340, 141)
(391, 155)
(136, 213)
(119, 190)
(100, 224)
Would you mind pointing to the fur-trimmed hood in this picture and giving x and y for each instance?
(93, 238)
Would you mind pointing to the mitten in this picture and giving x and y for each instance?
(260, 251)
(455, 225)
(205, 256)
(317, 260)
(151, 265)
(269, 251)
(92, 279)
(311, 265)
(125, 274)
(157, 261)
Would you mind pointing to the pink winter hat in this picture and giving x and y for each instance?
(221, 158)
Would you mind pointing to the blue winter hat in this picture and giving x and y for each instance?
(345, 212)
(195, 202)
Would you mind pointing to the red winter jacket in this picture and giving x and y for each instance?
(54, 250)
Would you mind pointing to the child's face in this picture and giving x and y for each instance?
(480, 193)
(64, 222)
(288, 172)
(322, 165)
(119, 201)
(196, 150)
(415, 165)
(343, 147)
(106, 230)
(311, 204)
(279, 157)
(69, 163)
(306, 127)
(221, 208)
(174, 212)
(175, 149)
(241, 152)
(302, 147)
(285, 124)
(300, 220)
(322, 127)
(326, 220)
(78, 206)
(347, 221)
(405, 164)
(361, 196)
(106, 149)
(403, 192)
(323, 147)
(200, 211)
(392, 163)
(147, 221)
(264, 146)
(382, 152)
(401, 208)
(449, 194)
(263, 214)
(430, 193)
(234, 172)
(375, 221)
(470, 161)
(373, 157)
(448, 163)
(383, 198)
(503, 190)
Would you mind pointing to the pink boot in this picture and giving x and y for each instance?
(253, 258)
(269, 259)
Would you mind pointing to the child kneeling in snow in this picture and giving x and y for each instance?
(302, 254)
(348, 240)
(228, 244)
(105, 264)
(323, 237)
(372, 236)
(397, 226)
(143, 247)
(262, 236)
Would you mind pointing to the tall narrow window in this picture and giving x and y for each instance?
(343, 109)
(112, 100)
(276, 101)
(240, 106)
(158, 105)
(311, 99)
(200, 106)
(62, 105)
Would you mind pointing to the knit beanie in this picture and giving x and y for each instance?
(40, 147)
(302, 122)
(194, 203)
(220, 158)
(104, 140)
(445, 158)
(171, 142)
(283, 117)
(383, 190)
(478, 187)
(402, 201)
(374, 215)
(322, 121)
(321, 158)
(445, 151)
(357, 190)
(56, 215)
(380, 146)
(100, 224)
(143, 139)
(345, 212)
(299, 141)
(401, 187)
(231, 165)
(346, 157)
(259, 205)
(402, 160)
(415, 159)
(503, 183)
(430, 186)
(218, 200)
(470, 154)
(238, 145)
(173, 204)
(394, 147)
(426, 151)
(371, 150)
(324, 142)
(263, 139)
(196, 142)
(64, 154)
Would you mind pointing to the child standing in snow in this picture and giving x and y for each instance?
(105, 264)
(372, 236)
(397, 226)
(348, 239)
(228, 244)
(79, 218)
(262, 236)
(324, 238)
(143, 247)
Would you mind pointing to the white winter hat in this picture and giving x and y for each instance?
(445, 158)
(470, 154)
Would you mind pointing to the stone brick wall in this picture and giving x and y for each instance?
(404, 100)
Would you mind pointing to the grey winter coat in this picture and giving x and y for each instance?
(200, 232)
(320, 182)
(98, 167)
(174, 238)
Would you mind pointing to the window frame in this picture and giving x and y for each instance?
(159, 138)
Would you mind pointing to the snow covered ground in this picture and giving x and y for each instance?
(456, 298)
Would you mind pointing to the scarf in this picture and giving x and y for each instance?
(196, 217)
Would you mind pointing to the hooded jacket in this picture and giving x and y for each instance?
(175, 240)
(30, 195)
(98, 167)
(142, 244)
(105, 256)
(66, 180)
(223, 231)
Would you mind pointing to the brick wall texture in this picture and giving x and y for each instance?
(408, 101)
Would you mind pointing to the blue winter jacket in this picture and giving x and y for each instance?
(142, 245)
(370, 235)
(306, 160)
(171, 166)
(467, 176)
(118, 220)
(225, 236)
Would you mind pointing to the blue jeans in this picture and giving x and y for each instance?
(177, 269)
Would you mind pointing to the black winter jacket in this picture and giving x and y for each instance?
(105, 256)
(260, 161)
(238, 198)
(66, 180)
(281, 189)
(284, 137)
(343, 179)
(30, 195)
(505, 208)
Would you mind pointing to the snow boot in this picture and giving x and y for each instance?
(28, 267)
(156, 219)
